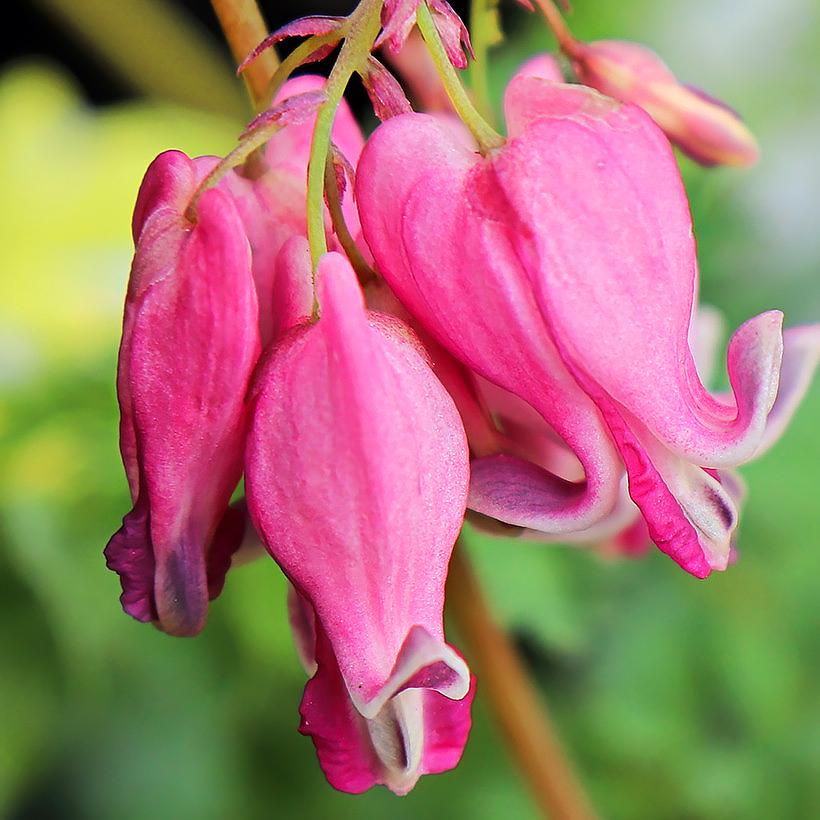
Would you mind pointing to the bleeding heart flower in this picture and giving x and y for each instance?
(189, 344)
(562, 268)
(356, 478)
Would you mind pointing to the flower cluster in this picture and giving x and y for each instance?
(504, 327)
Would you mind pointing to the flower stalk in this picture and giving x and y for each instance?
(485, 135)
(244, 28)
(362, 27)
(520, 713)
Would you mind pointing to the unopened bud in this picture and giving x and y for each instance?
(702, 127)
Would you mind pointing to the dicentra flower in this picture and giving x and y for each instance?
(562, 267)
(356, 479)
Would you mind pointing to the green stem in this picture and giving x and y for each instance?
(334, 205)
(293, 61)
(363, 26)
(485, 135)
(236, 157)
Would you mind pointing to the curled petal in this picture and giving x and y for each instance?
(801, 355)
(303, 27)
(642, 304)
(417, 731)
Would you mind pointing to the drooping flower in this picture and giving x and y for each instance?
(356, 478)
(562, 268)
(189, 344)
(704, 128)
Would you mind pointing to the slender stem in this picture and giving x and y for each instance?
(486, 136)
(519, 712)
(292, 62)
(244, 28)
(362, 27)
(568, 44)
(334, 206)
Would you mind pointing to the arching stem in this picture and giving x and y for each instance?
(520, 713)
(485, 135)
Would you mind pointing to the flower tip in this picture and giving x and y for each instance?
(181, 596)
(704, 128)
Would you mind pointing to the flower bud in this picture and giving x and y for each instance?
(704, 128)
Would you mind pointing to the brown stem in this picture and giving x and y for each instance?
(568, 44)
(244, 28)
(519, 711)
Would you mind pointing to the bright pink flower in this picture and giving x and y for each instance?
(562, 268)
(356, 476)
(704, 128)
(189, 344)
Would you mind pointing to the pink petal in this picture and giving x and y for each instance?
(642, 304)
(416, 731)
(453, 32)
(398, 18)
(704, 128)
(415, 182)
(543, 66)
(189, 345)
(356, 472)
(801, 355)
(292, 287)
(273, 206)
(386, 95)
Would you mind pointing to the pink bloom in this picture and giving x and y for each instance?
(704, 128)
(189, 345)
(562, 268)
(356, 475)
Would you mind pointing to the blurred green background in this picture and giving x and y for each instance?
(677, 698)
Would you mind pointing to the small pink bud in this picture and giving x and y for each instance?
(703, 128)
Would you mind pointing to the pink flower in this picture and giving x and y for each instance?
(189, 344)
(356, 477)
(562, 268)
(702, 127)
